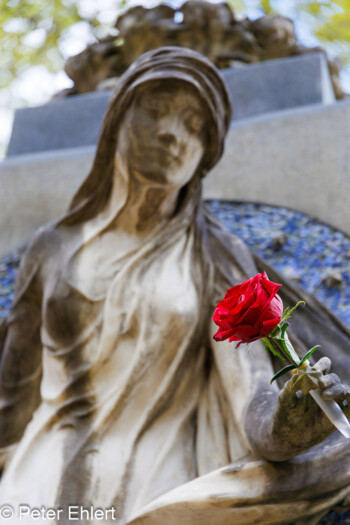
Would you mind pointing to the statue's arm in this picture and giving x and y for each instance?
(276, 424)
(290, 422)
(20, 352)
(244, 376)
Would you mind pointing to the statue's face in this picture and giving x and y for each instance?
(161, 139)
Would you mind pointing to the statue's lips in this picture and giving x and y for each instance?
(162, 154)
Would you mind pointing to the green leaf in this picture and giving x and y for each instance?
(270, 347)
(287, 346)
(284, 370)
(285, 311)
(284, 329)
(266, 6)
(282, 343)
(288, 312)
(307, 355)
(276, 332)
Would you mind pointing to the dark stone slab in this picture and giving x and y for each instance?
(67, 123)
(254, 89)
(279, 84)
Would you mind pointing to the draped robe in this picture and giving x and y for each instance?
(136, 407)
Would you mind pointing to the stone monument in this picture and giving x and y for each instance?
(211, 29)
(114, 397)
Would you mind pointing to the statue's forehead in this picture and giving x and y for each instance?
(180, 94)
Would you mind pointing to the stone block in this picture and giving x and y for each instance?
(279, 84)
(255, 89)
(72, 122)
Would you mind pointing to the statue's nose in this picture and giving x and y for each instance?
(170, 131)
(167, 139)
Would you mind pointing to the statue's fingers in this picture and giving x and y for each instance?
(328, 380)
(338, 392)
(323, 365)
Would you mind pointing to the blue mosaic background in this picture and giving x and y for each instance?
(8, 271)
(310, 249)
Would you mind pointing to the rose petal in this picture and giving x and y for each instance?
(221, 334)
(246, 332)
(274, 309)
(268, 326)
(249, 310)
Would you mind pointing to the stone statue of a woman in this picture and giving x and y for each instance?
(113, 394)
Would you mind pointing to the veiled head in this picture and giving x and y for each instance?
(191, 81)
(164, 133)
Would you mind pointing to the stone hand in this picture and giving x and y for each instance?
(329, 384)
(298, 420)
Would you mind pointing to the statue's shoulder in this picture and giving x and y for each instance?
(46, 240)
(43, 248)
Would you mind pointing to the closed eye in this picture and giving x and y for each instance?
(156, 108)
(194, 122)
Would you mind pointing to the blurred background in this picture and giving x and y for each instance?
(37, 36)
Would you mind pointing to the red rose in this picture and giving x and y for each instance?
(249, 311)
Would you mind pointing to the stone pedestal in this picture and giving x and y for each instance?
(255, 89)
(279, 84)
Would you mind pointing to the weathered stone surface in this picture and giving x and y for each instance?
(279, 84)
(254, 89)
(66, 123)
(332, 278)
(104, 371)
(210, 28)
(299, 159)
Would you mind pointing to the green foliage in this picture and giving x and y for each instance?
(330, 23)
(308, 354)
(30, 31)
(283, 371)
(287, 347)
(266, 7)
(288, 311)
(328, 20)
(237, 5)
(271, 346)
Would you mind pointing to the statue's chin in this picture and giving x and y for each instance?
(149, 176)
(157, 174)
